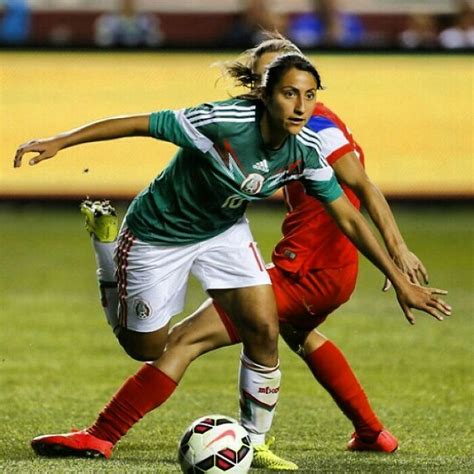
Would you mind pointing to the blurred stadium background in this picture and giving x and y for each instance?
(65, 62)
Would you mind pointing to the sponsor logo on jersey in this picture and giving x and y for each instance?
(261, 166)
(268, 390)
(252, 184)
(142, 309)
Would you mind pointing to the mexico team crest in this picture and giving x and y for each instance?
(142, 309)
(252, 184)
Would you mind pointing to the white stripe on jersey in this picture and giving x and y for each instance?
(233, 106)
(201, 142)
(223, 109)
(222, 119)
(318, 174)
(205, 145)
(223, 113)
(311, 144)
(332, 139)
(310, 136)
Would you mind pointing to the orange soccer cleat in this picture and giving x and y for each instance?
(78, 443)
(385, 443)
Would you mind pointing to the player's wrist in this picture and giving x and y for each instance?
(397, 249)
(398, 279)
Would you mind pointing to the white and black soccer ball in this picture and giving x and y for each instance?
(215, 444)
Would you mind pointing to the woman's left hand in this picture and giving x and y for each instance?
(411, 266)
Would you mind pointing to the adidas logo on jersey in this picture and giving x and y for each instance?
(261, 166)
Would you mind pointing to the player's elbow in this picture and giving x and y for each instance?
(349, 224)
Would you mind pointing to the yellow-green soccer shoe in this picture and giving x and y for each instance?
(101, 220)
(263, 458)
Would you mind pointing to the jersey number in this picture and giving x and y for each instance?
(233, 202)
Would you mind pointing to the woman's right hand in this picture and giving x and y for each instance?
(45, 148)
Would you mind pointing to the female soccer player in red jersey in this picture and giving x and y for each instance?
(308, 287)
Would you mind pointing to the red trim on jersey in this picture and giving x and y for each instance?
(232, 153)
(123, 250)
(335, 155)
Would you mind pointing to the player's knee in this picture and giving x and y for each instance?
(260, 342)
(299, 341)
(141, 347)
(263, 330)
(181, 335)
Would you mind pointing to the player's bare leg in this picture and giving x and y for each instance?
(253, 311)
(331, 369)
(199, 333)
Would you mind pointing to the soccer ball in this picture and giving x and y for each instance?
(215, 444)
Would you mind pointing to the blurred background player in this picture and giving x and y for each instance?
(315, 272)
(420, 32)
(326, 25)
(15, 22)
(254, 18)
(460, 34)
(127, 27)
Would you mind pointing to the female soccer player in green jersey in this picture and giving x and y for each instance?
(190, 218)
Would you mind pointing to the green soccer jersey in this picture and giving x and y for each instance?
(221, 165)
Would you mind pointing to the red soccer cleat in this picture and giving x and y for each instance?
(385, 443)
(78, 443)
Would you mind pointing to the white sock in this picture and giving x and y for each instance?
(259, 388)
(104, 257)
(109, 301)
(106, 275)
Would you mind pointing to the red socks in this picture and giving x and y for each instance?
(150, 387)
(333, 372)
(140, 394)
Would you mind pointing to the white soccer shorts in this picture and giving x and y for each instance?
(152, 279)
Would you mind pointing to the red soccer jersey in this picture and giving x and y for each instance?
(311, 238)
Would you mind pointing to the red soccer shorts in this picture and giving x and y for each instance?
(306, 302)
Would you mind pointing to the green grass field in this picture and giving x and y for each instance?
(60, 363)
